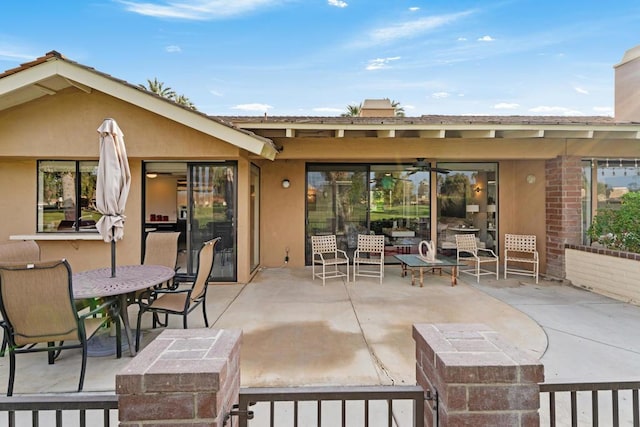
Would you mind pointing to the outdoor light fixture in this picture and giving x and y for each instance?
(152, 175)
(286, 183)
(478, 189)
(531, 178)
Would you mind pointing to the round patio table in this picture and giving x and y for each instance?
(128, 279)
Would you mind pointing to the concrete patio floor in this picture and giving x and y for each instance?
(297, 332)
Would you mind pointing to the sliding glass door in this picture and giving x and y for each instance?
(199, 201)
(386, 199)
(337, 203)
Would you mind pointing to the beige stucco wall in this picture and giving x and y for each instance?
(521, 205)
(607, 275)
(65, 127)
(282, 213)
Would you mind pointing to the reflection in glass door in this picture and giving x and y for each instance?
(254, 217)
(337, 203)
(391, 200)
(212, 197)
(199, 201)
(400, 207)
(467, 202)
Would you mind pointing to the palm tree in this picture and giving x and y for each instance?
(166, 92)
(183, 100)
(398, 108)
(158, 88)
(352, 111)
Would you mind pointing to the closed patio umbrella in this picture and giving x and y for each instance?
(112, 187)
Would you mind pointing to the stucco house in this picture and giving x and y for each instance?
(266, 184)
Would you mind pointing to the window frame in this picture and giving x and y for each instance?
(78, 169)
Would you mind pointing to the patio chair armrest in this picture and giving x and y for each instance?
(490, 251)
(318, 254)
(110, 305)
(464, 251)
(342, 252)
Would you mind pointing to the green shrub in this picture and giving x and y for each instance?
(619, 228)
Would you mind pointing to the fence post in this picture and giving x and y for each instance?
(481, 379)
(183, 377)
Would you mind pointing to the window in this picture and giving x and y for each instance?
(67, 196)
(467, 202)
(605, 181)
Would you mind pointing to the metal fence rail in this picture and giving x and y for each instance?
(335, 406)
(59, 410)
(577, 396)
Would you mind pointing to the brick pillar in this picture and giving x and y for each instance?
(185, 377)
(481, 379)
(563, 210)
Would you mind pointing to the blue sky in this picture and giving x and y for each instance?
(315, 57)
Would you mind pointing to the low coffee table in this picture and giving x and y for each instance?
(413, 262)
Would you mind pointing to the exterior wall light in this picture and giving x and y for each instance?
(152, 175)
(286, 183)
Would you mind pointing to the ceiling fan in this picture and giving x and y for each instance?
(421, 165)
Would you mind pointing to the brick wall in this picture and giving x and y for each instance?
(185, 377)
(604, 271)
(480, 378)
(563, 210)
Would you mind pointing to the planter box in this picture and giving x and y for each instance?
(611, 273)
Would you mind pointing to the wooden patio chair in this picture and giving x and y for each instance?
(370, 254)
(36, 301)
(519, 252)
(180, 301)
(325, 252)
(476, 257)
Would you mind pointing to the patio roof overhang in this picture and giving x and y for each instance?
(53, 73)
(442, 127)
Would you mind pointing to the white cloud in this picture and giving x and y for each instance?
(378, 63)
(549, 110)
(12, 56)
(486, 39)
(328, 110)
(440, 95)
(581, 90)
(196, 10)
(410, 29)
(215, 93)
(462, 39)
(506, 106)
(604, 110)
(414, 9)
(252, 107)
(173, 49)
(337, 3)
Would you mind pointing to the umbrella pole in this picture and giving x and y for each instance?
(113, 253)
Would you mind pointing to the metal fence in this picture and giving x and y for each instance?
(567, 404)
(595, 404)
(78, 409)
(330, 406)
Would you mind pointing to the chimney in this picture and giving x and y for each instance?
(377, 108)
(627, 87)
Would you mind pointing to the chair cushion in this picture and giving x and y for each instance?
(171, 301)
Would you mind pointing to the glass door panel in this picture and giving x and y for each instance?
(254, 221)
(400, 207)
(467, 203)
(337, 203)
(212, 197)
